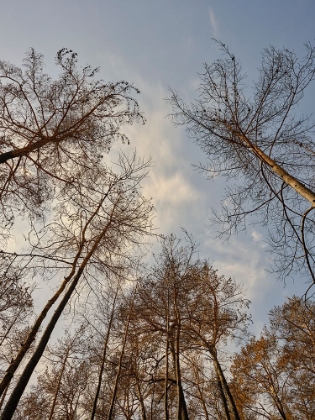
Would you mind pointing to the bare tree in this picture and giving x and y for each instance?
(91, 235)
(261, 381)
(51, 129)
(86, 220)
(62, 381)
(259, 138)
(184, 314)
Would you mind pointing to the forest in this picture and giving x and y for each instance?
(95, 326)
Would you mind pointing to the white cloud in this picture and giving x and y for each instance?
(213, 22)
(257, 237)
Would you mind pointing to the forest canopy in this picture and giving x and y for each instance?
(170, 338)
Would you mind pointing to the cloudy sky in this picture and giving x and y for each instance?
(157, 44)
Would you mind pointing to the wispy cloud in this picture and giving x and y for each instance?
(213, 22)
(169, 181)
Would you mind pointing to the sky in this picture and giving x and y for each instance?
(156, 45)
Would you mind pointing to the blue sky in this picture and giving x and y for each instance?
(156, 44)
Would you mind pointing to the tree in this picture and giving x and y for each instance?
(187, 313)
(274, 374)
(62, 382)
(51, 129)
(261, 380)
(259, 141)
(86, 220)
(90, 236)
(293, 324)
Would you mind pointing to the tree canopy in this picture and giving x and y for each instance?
(257, 137)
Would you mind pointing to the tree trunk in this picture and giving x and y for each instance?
(223, 398)
(142, 407)
(32, 334)
(3, 396)
(182, 413)
(166, 413)
(290, 180)
(58, 385)
(103, 358)
(201, 395)
(31, 365)
(113, 399)
(227, 396)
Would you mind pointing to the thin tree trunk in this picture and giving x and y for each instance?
(103, 358)
(201, 396)
(182, 413)
(58, 384)
(166, 413)
(31, 365)
(32, 334)
(140, 397)
(113, 399)
(226, 390)
(3, 396)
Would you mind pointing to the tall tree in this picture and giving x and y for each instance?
(92, 236)
(261, 380)
(192, 312)
(263, 141)
(293, 324)
(85, 220)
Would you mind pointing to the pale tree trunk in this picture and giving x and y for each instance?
(290, 180)
(103, 358)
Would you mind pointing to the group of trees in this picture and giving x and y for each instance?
(159, 349)
(149, 342)
(83, 220)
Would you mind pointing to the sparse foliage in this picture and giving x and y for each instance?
(53, 130)
(258, 137)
